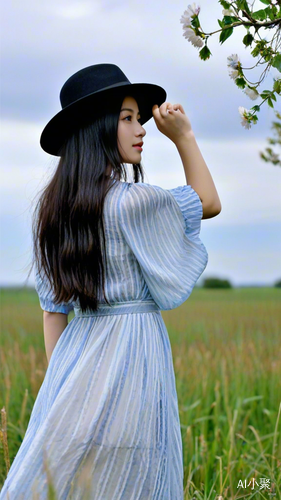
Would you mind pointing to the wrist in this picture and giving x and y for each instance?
(185, 138)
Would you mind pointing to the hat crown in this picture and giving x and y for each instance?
(90, 80)
(90, 91)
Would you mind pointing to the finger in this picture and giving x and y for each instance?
(178, 107)
(164, 109)
(155, 112)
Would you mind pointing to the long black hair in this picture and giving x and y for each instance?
(67, 227)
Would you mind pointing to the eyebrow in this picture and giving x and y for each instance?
(129, 109)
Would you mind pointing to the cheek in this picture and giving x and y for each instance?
(120, 129)
(121, 134)
(120, 139)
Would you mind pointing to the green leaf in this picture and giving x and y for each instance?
(259, 15)
(229, 20)
(240, 82)
(255, 52)
(274, 11)
(260, 48)
(248, 39)
(243, 5)
(265, 93)
(277, 86)
(256, 108)
(195, 22)
(276, 62)
(269, 102)
(267, 2)
(225, 34)
(224, 4)
(254, 118)
(273, 97)
(270, 13)
(205, 53)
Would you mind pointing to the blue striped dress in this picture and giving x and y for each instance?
(105, 424)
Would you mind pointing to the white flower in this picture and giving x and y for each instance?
(192, 38)
(190, 12)
(193, 10)
(188, 31)
(252, 93)
(185, 20)
(244, 113)
(233, 61)
(228, 12)
(233, 73)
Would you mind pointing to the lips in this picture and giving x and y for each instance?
(138, 146)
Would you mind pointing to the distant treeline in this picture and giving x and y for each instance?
(211, 282)
(214, 282)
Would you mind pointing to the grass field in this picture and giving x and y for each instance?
(226, 351)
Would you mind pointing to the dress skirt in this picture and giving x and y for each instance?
(105, 424)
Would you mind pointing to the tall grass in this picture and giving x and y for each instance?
(226, 351)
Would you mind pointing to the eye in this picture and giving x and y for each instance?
(129, 118)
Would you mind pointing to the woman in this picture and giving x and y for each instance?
(105, 423)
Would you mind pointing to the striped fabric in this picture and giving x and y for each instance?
(105, 422)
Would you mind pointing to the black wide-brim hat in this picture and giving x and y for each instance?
(84, 95)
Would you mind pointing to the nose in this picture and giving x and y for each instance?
(140, 131)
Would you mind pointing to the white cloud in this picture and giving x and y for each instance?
(75, 10)
(59, 37)
(249, 188)
(242, 241)
(25, 168)
(244, 265)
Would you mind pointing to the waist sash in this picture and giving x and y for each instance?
(128, 307)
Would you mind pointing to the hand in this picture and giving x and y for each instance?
(171, 121)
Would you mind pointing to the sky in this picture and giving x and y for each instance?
(43, 43)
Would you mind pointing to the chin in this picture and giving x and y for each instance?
(132, 161)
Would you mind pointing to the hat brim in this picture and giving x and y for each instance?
(59, 128)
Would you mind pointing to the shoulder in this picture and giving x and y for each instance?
(141, 195)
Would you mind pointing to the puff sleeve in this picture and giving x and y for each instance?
(46, 295)
(162, 229)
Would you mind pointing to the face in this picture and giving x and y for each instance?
(130, 133)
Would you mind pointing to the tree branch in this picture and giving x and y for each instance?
(253, 22)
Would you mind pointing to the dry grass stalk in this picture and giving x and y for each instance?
(274, 446)
(4, 439)
(23, 407)
(7, 382)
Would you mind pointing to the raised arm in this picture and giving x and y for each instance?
(172, 121)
